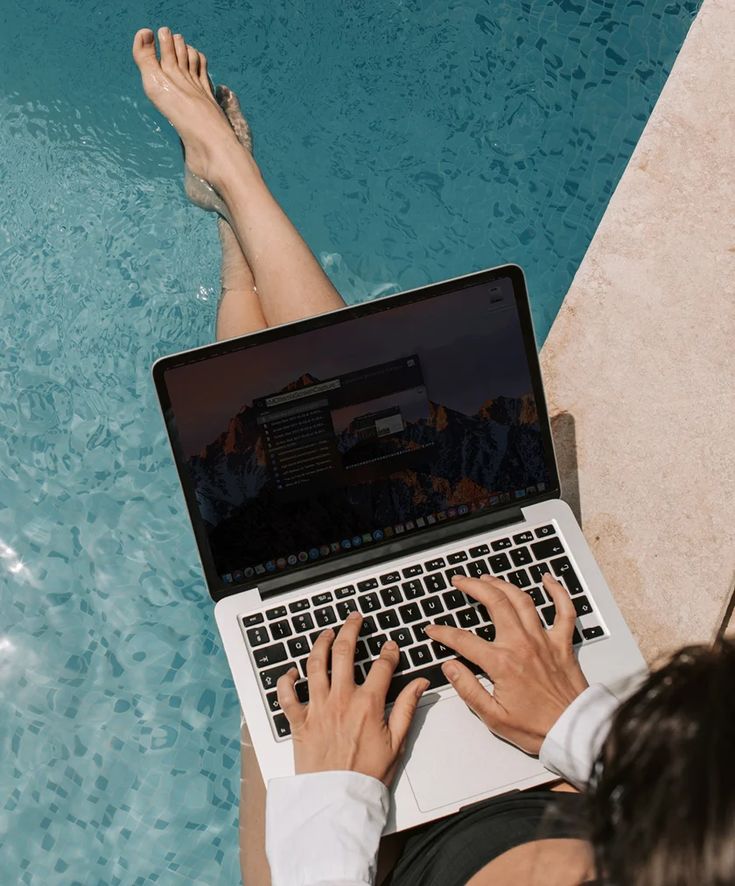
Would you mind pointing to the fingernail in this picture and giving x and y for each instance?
(327, 631)
(451, 671)
(390, 645)
(422, 687)
(428, 629)
(354, 615)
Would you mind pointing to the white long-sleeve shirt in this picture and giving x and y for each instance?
(323, 828)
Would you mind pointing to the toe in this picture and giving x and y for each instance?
(168, 53)
(182, 56)
(204, 72)
(144, 48)
(193, 62)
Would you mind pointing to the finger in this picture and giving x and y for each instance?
(316, 666)
(473, 694)
(466, 643)
(487, 592)
(382, 670)
(403, 711)
(343, 653)
(521, 603)
(566, 615)
(287, 698)
(182, 56)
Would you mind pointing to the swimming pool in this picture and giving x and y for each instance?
(410, 142)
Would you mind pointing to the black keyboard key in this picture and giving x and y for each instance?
(258, 636)
(390, 578)
(500, 544)
(388, 619)
(325, 617)
(321, 599)
(573, 584)
(538, 570)
(413, 588)
(523, 538)
(409, 613)
(593, 632)
(368, 626)
(391, 596)
(269, 655)
(369, 603)
(302, 667)
(281, 629)
(549, 613)
(521, 556)
(302, 622)
(345, 607)
(519, 578)
(433, 565)
(435, 582)
(447, 620)
(255, 619)
(403, 663)
(467, 618)
(270, 677)
(283, 729)
(402, 636)
(277, 612)
(561, 566)
(345, 591)
(454, 599)
(376, 643)
(419, 631)
(298, 646)
(440, 650)
(301, 688)
(433, 674)
(549, 547)
(479, 551)
(410, 571)
(361, 651)
(272, 701)
(454, 570)
(457, 557)
(481, 611)
(499, 563)
(537, 595)
(576, 638)
(486, 632)
(582, 605)
(298, 605)
(314, 636)
(432, 606)
(358, 675)
(477, 568)
(420, 655)
(368, 585)
(544, 531)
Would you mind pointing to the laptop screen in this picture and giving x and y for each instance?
(360, 431)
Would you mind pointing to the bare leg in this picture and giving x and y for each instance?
(239, 310)
(290, 282)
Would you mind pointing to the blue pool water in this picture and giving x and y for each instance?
(410, 141)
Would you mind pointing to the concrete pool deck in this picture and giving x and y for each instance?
(639, 364)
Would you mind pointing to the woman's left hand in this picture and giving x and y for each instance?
(344, 727)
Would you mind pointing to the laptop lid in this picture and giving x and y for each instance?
(312, 448)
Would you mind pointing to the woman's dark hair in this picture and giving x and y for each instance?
(662, 795)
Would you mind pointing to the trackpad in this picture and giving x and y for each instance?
(452, 757)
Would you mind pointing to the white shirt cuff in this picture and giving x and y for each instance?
(324, 828)
(574, 741)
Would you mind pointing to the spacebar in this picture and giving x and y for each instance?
(433, 674)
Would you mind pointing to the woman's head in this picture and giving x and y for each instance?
(663, 789)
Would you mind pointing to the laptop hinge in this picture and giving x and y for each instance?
(390, 551)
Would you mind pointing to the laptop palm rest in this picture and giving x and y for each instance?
(453, 757)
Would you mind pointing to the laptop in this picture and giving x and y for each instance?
(358, 460)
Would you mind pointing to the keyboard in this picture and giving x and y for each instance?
(397, 604)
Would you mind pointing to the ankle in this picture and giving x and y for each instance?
(232, 169)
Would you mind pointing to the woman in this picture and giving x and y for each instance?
(660, 807)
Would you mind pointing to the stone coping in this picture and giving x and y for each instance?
(639, 365)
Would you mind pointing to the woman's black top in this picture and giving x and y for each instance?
(450, 851)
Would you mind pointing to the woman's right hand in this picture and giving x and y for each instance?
(534, 671)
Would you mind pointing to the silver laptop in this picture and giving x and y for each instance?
(358, 460)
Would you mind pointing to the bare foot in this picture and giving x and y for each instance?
(199, 191)
(179, 87)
